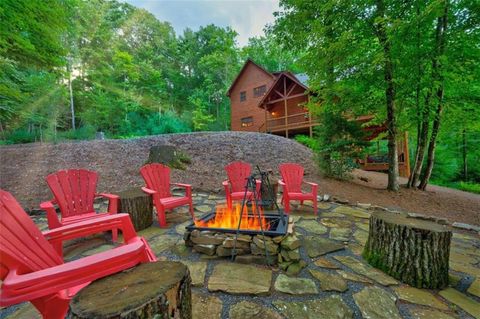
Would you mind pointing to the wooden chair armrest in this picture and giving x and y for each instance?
(112, 202)
(182, 185)
(93, 226)
(52, 218)
(314, 187)
(149, 191)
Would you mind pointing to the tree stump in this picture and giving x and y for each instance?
(138, 205)
(416, 252)
(158, 289)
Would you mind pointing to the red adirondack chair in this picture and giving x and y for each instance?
(237, 173)
(291, 182)
(31, 269)
(157, 180)
(74, 191)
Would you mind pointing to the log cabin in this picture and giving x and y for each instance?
(275, 103)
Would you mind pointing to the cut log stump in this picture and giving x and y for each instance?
(416, 252)
(151, 290)
(138, 205)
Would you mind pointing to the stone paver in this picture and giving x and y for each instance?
(419, 296)
(366, 270)
(329, 282)
(197, 271)
(312, 226)
(474, 288)
(240, 279)
(161, 243)
(317, 246)
(342, 234)
(336, 222)
(352, 211)
(466, 303)
(295, 286)
(354, 277)
(206, 306)
(247, 309)
(332, 307)
(325, 263)
(376, 303)
(423, 313)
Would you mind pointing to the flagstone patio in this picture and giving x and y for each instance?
(336, 283)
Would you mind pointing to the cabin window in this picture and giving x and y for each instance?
(247, 121)
(259, 91)
(243, 96)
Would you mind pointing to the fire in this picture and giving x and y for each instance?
(226, 218)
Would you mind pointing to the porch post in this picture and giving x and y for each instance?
(285, 104)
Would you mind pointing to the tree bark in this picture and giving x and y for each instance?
(416, 252)
(138, 205)
(152, 290)
(390, 98)
(70, 90)
(441, 43)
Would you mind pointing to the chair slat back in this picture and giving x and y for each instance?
(292, 175)
(22, 246)
(237, 173)
(157, 177)
(74, 190)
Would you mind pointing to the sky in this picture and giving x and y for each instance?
(246, 17)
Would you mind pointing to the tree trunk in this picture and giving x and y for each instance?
(416, 252)
(151, 290)
(390, 98)
(70, 90)
(441, 42)
(139, 206)
(421, 146)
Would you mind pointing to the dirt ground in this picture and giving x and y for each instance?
(24, 167)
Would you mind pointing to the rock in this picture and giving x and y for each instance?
(256, 259)
(423, 313)
(366, 270)
(329, 282)
(203, 208)
(99, 249)
(325, 263)
(240, 237)
(466, 226)
(162, 243)
(474, 288)
(224, 252)
(363, 226)
(364, 205)
(419, 297)
(326, 198)
(291, 242)
(247, 309)
(354, 277)
(295, 267)
(208, 240)
(332, 307)
(352, 211)
(342, 201)
(180, 229)
(376, 303)
(332, 215)
(26, 310)
(295, 286)
(360, 236)
(312, 226)
(342, 234)
(324, 206)
(469, 305)
(278, 239)
(206, 306)
(240, 279)
(205, 249)
(230, 242)
(197, 272)
(453, 279)
(317, 246)
(336, 222)
(261, 244)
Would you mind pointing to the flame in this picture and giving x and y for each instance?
(229, 218)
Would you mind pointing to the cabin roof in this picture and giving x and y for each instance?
(244, 67)
(279, 76)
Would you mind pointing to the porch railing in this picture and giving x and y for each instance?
(298, 120)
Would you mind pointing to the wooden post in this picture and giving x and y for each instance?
(285, 104)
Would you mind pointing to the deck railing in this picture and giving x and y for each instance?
(294, 121)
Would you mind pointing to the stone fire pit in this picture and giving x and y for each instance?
(281, 250)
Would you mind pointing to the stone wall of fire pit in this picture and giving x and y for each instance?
(282, 250)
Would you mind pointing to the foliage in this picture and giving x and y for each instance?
(340, 142)
(309, 142)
